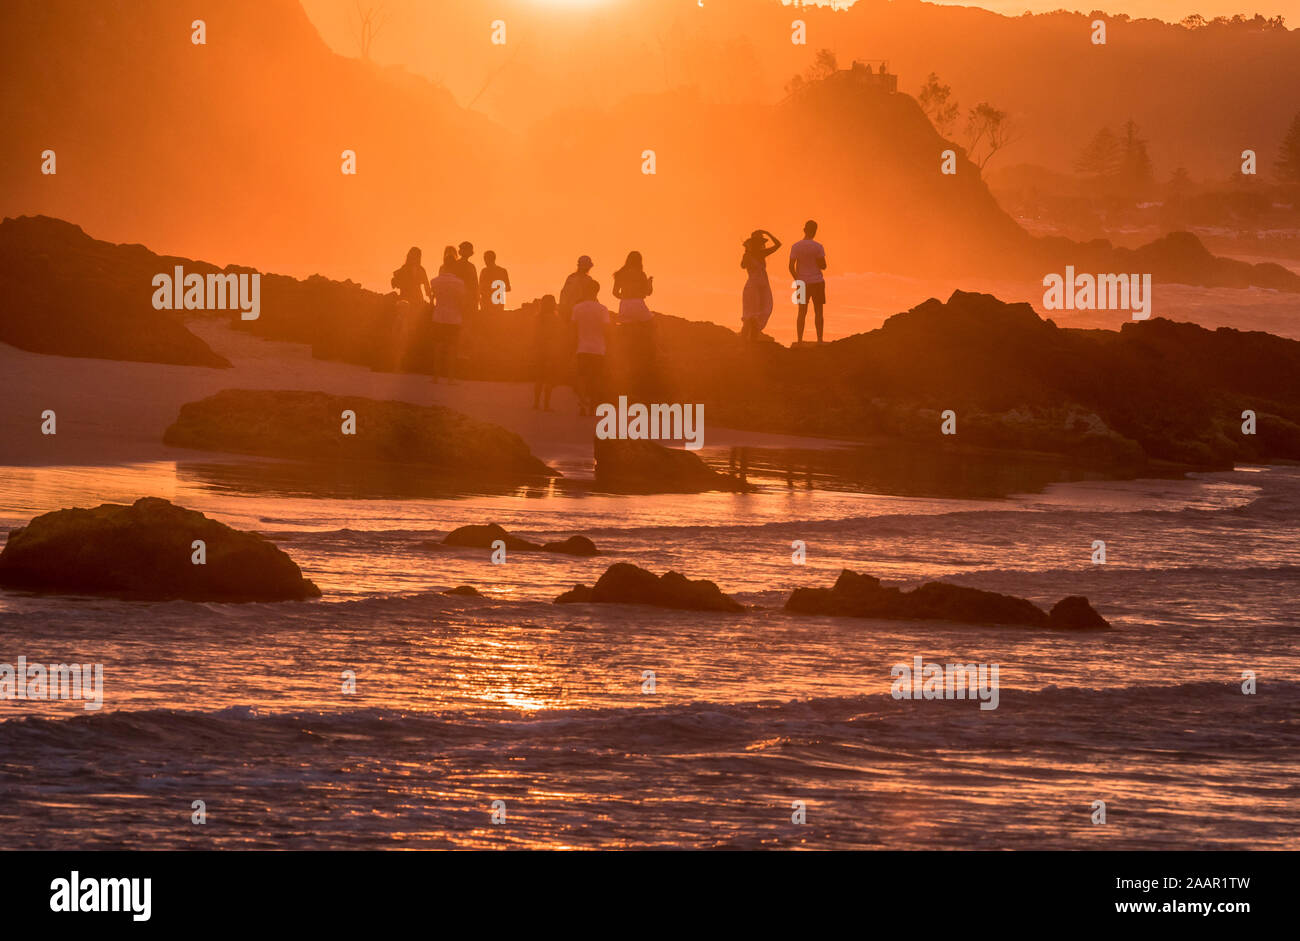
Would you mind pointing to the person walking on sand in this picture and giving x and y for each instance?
(575, 285)
(807, 262)
(491, 279)
(448, 293)
(756, 298)
(632, 286)
(548, 350)
(592, 319)
(468, 274)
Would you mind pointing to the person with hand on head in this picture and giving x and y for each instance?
(756, 298)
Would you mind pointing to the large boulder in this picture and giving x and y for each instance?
(856, 595)
(483, 537)
(626, 466)
(624, 583)
(145, 551)
(1076, 614)
(308, 426)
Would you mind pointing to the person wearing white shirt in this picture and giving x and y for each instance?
(592, 319)
(807, 262)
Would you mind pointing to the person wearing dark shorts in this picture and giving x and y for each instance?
(807, 262)
(448, 292)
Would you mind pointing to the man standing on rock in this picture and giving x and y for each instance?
(807, 262)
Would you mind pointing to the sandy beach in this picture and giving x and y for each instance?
(111, 412)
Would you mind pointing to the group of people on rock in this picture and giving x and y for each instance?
(573, 330)
(458, 291)
(579, 305)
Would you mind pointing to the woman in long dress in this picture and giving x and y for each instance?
(632, 286)
(756, 299)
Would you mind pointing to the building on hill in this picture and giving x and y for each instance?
(861, 73)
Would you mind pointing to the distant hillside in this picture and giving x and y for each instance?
(1202, 96)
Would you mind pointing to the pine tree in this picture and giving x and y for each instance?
(1101, 158)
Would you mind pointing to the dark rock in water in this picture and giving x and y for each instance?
(862, 596)
(466, 591)
(625, 466)
(624, 583)
(482, 537)
(1076, 614)
(574, 545)
(307, 426)
(144, 551)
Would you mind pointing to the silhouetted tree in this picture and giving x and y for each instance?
(1288, 158)
(1135, 167)
(1101, 157)
(989, 129)
(934, 101)
(824, 65)
(365, 21)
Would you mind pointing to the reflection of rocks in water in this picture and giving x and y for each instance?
(344, 481)
(908, 469)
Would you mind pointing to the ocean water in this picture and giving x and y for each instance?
(461, 702)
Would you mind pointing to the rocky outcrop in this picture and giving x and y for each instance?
(463, 591)
(484, 537)
(1076, 614)
(71, 295)
(574, 545)
(308, 426)
(863, 596)
(624, 466)
(147, 551)
(624, 583)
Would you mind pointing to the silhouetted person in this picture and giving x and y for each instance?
(465, 270)
(591, 318)
(492, 277)
(412, 285)
(411, 281)
(574, 285)
(632, 286)
(807, 262)
(548, 350)
(449, 303)
(756, 298)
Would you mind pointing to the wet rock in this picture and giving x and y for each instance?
(574, 545)
(482, 537)
(1076, 614)
(625, 466)
(307, 426)
(863, 596)
(145, 551)
(624, 583)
